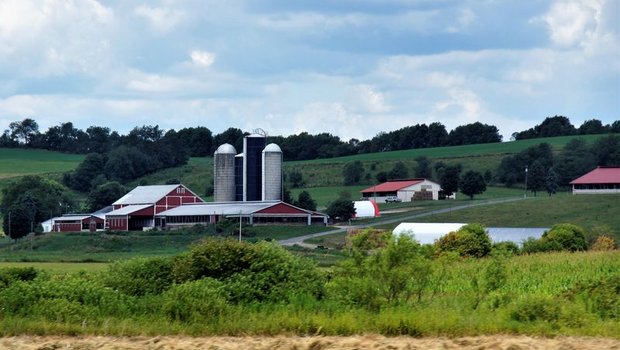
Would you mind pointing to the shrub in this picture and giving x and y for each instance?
(251, 272)
(601, 297)
(63, 298)
(507, 247)
(139, 276)
(603, 242)
(194, 301)
(471, 240)
(536, 308)
(570, 237)
(12, 274)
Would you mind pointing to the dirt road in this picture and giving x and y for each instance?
(498, 342)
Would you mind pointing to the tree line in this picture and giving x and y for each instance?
(561, 126)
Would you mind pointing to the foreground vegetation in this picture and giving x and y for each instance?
(231, 288)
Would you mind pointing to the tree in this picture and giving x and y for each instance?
(472, 183)
(575, 159)
(473, 134)
(305, 201)
(399, 171)
(592, 126)
(536, 177)
(25, 131)
(81, 178)
(470, 240)
(352, 173)
(341, 209)
(105, 194)
(607, 150)
(551, 182)
(423, 169)
(449, 178)
(31, 200)
(381, 177)
(295, 178)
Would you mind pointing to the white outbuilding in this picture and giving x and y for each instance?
(366, 209)
(405, 190)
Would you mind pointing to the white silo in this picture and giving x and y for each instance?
(272, 173)
(224, 173)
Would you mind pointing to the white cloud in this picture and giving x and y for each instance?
(465, 17)
(573, 22)
(202, 58)
(161, 19)
(55, 37)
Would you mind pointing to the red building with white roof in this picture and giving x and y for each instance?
(599, 181)
(405, 190)
(137, 209)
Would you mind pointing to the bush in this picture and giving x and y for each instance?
(601, 297)
(63, 298)
(194, 301)
(561, 237)
(536, 308)
(139, 276)
(507, 247)
(570, 237)
(12, 274)
(471, 240)
(251, 272)
(603, 243)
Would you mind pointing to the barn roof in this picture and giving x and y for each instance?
(230, 208)
(128, 209)
(392, 186)
(146, 194)
(600, 175)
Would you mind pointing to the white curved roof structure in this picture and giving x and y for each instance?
(226, 148)
(272, 147)
(366, 209)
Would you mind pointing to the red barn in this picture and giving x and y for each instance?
(77, 223)
(137, 209)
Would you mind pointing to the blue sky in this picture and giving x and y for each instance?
(350, 68)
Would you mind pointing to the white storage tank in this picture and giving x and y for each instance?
(272, 173)
(224, 173)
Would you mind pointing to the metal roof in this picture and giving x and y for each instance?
(272, 147)
(226, 148)
(146, 194)
(72, 217)
(600, 175)
(228, 208)
(392, 186)
(427, 233)
(128, 209)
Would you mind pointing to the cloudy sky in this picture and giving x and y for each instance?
(351, 68)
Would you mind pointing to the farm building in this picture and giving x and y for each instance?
(405, 190)
(259, 212)
(427, 233)
(599, 181)
(77, 223)
(137, 209)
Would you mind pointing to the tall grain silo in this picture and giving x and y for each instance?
(224, 173)
(272, 173)
(239, 158)
(253, 144)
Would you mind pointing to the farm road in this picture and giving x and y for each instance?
(300, 239)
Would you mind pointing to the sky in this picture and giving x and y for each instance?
(349, 68)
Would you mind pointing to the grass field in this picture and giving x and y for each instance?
(58, 268)
(19, 162)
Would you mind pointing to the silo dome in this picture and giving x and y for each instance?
(272, 173)
(226, 148)
(272, 147)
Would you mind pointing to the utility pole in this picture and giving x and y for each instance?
(525, 194)
(239, 225)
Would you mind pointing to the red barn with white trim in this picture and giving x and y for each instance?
(598, 181)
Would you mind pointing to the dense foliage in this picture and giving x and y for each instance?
(30, 201)
(387, 285)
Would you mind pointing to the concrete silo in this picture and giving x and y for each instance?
(272, 173)
(224, 173)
